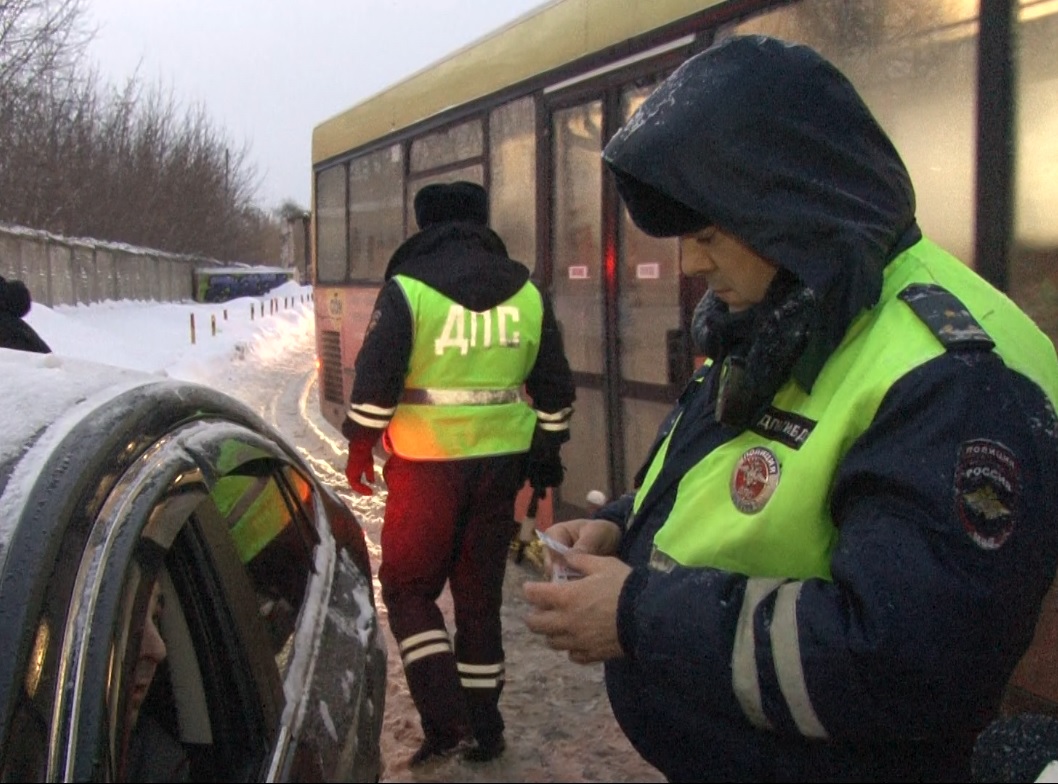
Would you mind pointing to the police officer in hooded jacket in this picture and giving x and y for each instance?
(459, 331)
(15, 302)
(838, 546)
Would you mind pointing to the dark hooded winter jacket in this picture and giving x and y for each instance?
(887, 667)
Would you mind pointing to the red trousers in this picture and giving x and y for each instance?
(450, 521)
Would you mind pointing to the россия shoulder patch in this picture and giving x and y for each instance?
(987, 490)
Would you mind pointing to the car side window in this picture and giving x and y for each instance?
(237, 567)
(268, 518)
(240, 568)
(151, 740)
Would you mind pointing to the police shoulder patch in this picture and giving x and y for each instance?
(376, 315)
(987, 491)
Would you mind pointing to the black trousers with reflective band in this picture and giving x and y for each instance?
(450, 522)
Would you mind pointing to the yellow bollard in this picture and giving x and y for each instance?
(192, 329)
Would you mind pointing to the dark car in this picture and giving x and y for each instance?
(134, 506)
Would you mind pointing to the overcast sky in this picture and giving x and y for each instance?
(267, 71)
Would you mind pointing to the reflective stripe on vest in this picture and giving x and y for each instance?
(465, 372)
(460, 397)
(791, 534)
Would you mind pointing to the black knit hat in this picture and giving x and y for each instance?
(451, 201)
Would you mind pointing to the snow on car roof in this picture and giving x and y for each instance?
(45, 395)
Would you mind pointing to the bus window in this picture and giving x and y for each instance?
(331, 248)
(915, 65)
(1034, 260)
(512, 185)
(376, 212)
(458, 143)
(577, 233)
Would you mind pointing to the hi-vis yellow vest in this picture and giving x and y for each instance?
(783, 529)
(462, 393)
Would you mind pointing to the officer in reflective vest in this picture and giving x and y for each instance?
(464, 377)
(839, 544)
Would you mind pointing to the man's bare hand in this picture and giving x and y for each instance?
(596, 537)
(580, 616)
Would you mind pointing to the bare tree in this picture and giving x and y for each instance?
(39, 40)
(125, 164)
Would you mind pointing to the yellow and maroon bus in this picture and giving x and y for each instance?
(968, 91)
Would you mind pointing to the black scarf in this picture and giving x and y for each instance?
(757, 348)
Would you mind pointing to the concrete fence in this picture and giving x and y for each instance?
(64, 271)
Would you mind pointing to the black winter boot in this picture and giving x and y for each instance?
(433, 750)
(485, 750)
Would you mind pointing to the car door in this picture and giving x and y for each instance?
(221, 513)
(156, 520)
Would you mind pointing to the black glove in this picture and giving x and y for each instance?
(544, 468)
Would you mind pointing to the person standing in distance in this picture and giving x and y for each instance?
(15, 302)
(458, 329)
(838, 546)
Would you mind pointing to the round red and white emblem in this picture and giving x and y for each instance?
(755, 479)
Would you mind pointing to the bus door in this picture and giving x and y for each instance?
(620, 301)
